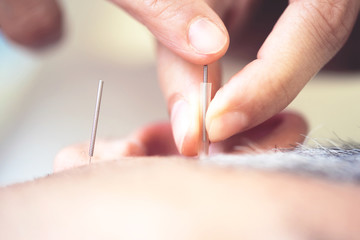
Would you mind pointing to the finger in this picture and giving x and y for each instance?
(31, 23)
(188, 27)
(285, 130)
(106, 150)
(306, 36)
(180, 83)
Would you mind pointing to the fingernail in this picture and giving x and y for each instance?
(180, 122)
(226, 125)
(205, 37)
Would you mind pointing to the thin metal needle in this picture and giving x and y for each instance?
(204, 108)
(96, 120)
(205, 73)
(206, 95)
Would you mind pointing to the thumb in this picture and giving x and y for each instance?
(190, 28)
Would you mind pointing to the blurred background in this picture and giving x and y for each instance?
(47, 99)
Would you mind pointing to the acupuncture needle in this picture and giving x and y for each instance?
(96, 120)
(205, 94)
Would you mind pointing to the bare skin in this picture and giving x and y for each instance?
(287, 43)
(174, 198)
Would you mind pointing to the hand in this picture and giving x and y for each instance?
(190, 33)
(307, 36)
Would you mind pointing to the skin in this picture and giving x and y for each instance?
(176, 198)
(190, 33)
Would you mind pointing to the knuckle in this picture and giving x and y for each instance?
(164, 8)
(157, 8)
(152, 3)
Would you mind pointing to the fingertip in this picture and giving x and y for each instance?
(207, 38)
(190, 146)
(191, 29)
(183, 119)
(180, 122)
(225, 125)
(223, 120)
(35, 25)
